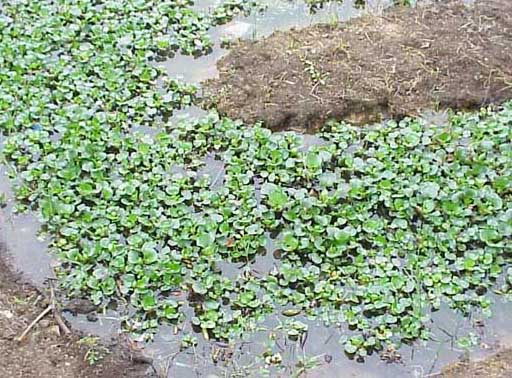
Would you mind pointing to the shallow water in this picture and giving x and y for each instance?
(28, 254)
(18, 233)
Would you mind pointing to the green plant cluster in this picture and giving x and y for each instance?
(374, 229)
(226, 11)
(74, 61)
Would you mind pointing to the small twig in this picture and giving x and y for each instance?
(34, 322)
(368, 38)
(52, 307)
(61, 322)
(55, 310)
(39, 297)
(303, 340)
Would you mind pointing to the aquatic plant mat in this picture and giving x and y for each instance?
(371, 231)
(444, 55)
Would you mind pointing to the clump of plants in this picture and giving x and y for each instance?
(95, 352)
(375, 230)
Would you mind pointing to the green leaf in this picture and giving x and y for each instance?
(277, 198)
(430, 190)
(313, 161)
(148, 301)
(199, 288)
(350, 349)
(489, 235)
(205, 239)
(289, 242)
(150, 256)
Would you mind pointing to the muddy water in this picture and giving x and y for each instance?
(19, 234)
(28, 254)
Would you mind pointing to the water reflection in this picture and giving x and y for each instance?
(26, 251)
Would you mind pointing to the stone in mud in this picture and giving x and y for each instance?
(235, 29)
(79, 306)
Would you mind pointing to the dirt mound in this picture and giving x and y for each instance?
(410, 59)
(497, 366)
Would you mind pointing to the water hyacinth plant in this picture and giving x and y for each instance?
(373, 229)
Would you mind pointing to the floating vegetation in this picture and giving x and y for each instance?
(374, 230)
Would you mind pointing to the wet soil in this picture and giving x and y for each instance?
(45, 352)
(444, 55)
(498, 366)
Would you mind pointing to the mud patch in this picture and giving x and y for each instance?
(445, 55)
(497, 366)
(45, 353)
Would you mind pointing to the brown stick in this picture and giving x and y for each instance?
(34, 322)
(55, 311)
(53, 307)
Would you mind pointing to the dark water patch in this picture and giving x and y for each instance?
(27, 253)
(106, 325)
(323, 351)
(189, 113)
(311, 140)
(214, 169)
